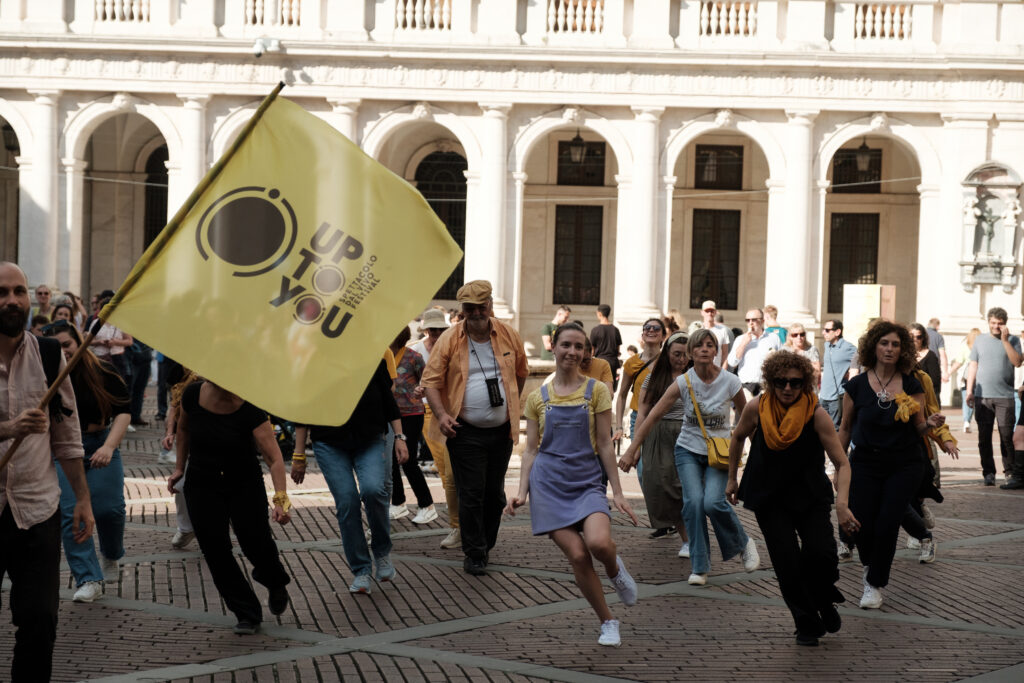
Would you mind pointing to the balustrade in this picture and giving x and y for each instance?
(728, 18)
(575, 16)
(124, 11)
(883, 21)
(272, 13)
(424, 15)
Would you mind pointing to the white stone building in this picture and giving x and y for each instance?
(750, 152)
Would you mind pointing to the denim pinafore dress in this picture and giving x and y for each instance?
(566, 478)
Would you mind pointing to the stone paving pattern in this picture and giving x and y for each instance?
(959, 618)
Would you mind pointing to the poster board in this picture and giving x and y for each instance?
(861, 303)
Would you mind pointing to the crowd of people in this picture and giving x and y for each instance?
(856, 427)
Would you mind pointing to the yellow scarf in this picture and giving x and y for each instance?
(905, 407)
(782, 425)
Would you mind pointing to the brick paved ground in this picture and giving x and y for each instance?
(959, 618)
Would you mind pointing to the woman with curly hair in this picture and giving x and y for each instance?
(784, 483)
(883, 417)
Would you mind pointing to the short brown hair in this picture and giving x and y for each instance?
(867, 344)
(778, 362)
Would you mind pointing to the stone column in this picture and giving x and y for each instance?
(787, 269)
(635, 244)
(38, 240)
(516, 276)
(485, 236)
(193, 162)
(669, 186)
(345, 117)
(819, 283)
(74, 223)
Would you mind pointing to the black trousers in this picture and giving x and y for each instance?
(803, 551)
(412, 427)
(31, 558)
(216, 501)
(479, 458)
(140, 378)
(881, 487)
(999, 412)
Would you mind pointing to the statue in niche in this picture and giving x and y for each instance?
(991, 210)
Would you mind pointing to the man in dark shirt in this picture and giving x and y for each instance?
(606, 340)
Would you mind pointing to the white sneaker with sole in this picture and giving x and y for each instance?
(913, 543)
(88, 592)
(398, 511)
(182, 539)
(927, 551)
(697, 579)
(425, 515)
(684, 551)
(625, 587)
(111, 569)
(751, 560)
(453, 539)
(872, 598)
(845, 554)
(610, 634)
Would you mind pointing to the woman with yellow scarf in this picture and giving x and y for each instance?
(784, 483)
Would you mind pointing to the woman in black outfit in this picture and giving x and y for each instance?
(926, 358)
(784, 483)
(884, 418)
(218, 435)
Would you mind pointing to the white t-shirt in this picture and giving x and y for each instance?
(715, 401)
(724, 336)
(476, 406)
(748, 368)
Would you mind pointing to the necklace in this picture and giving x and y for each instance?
(883, 396)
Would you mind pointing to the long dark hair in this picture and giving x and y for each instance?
(661, 375)
(89, 371)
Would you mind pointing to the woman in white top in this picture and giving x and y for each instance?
(796, 341)
(703, 486)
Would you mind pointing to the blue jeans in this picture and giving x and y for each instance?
(968, 411)
(369, 462)
(704, 495)
(106, 488)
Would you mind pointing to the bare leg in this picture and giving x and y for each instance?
(597, 536)
(571, 543)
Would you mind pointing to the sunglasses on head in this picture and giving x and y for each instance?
(56, 327)
(783, 382)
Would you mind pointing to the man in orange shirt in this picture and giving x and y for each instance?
(473, 380)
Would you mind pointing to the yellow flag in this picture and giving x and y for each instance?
(297, 263)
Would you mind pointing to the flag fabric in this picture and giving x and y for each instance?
(290, 269)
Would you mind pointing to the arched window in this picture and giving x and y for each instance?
(441, 180)
(156, 193)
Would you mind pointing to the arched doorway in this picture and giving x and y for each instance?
(441, 179)
(9, 192)
(124, 197)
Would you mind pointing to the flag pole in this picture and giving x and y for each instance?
(150, 254)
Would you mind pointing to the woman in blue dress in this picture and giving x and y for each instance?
(568, 448)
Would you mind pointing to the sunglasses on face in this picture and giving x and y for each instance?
(827, 329)
(56, 327)
(783, 382)
(753, 320)
(652, 328)
(798, 334)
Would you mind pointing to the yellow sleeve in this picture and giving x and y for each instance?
(601, 398)
(389, 360)
(533, 405)
(606, 371)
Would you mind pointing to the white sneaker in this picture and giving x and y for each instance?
(751, 560)
(625, 587)
(685, 550)
(88, 592)
(927, 551)
(697, 579)
(872, 598)
(398, 511)
(927, 516)
(131, 429)
(167, 457)
(967, 428)
(111, 570)
(845, 553)
(610, 634)
(453, 539)
(424, 515)
(182, 539)
(913, 543)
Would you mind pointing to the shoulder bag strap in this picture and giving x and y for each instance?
(693, 397)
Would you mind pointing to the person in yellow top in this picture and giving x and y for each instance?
(635, 370)
(562, 473)
(598, 368)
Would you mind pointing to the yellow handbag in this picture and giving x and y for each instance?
(718, 448)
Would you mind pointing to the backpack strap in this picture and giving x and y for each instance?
(51, 353)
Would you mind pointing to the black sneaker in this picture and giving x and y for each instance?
(278, 601)
(665, 531)
(831, 620)
(806, 639)
(1012, 484)
(474, 566)
(990, 479)
(244, 627)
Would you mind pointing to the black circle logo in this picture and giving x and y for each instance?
(250, 228)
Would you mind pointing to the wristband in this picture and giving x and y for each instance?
(281, 498)
(299, 458)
